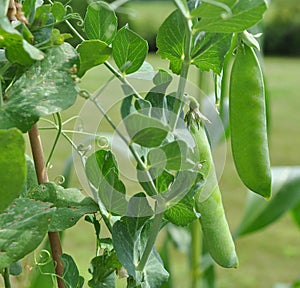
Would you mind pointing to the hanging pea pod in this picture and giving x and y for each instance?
(216, 233)
(247, 113)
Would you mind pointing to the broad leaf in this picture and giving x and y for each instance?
(129, 50)
(102, 269)
(71, 276)
(259, 213)
(45, 88)
(170, 40)
(91, 54)
(182, 213)
(145, 131)
(17, 50)
(102, 172)
(71, 204)
(145, 72)
(172, 156)
(12, 166)
(100, 22)
(22, 228)
(228, 16)
(58, 11)
(209, 51)
(130, 236)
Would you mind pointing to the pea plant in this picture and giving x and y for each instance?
(163, 129)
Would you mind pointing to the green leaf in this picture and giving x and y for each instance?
(102, 172)
(31, 181)
(17, 50)
(71, 276)
(145, 72)
(260, 213)
(129, 50)
(58, 11)
(71, 204)
(209, 51)
(47, 87)
(100, 22)
(228, 16)
(22, 228)
(91, 54)
(170, 40)
(4, 4)
(130, 236)
(182, 213)
(12, 166)
(145, 131)
(172, 156)
(102, 269)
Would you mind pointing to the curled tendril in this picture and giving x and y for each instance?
(60, 179)
(43, 258)
(102, 141)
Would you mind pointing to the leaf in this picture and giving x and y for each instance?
(170, 40)
(22, 228)
(209, 51)
(58, 11)
(17, 50)
(145, 131)
(138, 206)
(71, 276)
(100, 22)
(91, 54)
(260, 213)
(129, 50)
(130, 236)
(182, 213)
(31, 180)
(145, 72)
(12, 166)
(172, 156)
(71, 204)
(228, 16)
(47, 87)
(102, 172)
(102, 269)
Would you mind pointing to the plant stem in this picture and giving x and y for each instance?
(196, 251)
(151, 241)
(39, 162)
(6, 279)
(183, 74)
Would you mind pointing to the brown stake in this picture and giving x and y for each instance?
(39, 162)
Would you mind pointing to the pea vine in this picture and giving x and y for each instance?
(164, 132)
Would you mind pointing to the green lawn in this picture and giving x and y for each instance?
(266, 257)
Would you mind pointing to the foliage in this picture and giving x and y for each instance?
(166, 137)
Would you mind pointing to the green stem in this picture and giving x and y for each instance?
(196, 252)
(59, 130)
(183, 74)
(151, 241)
(5, 275)
(1, 95)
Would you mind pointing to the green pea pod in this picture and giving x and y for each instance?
(216, 233)
(247, 113)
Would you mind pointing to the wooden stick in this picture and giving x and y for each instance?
(39, 162)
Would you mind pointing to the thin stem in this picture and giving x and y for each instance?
(1, 95)
(39, 162)
(183, 74)
(59, 130)
(6, 279)
(196, 254)
(151, 240)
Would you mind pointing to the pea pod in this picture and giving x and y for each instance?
(216, 233)
(247, 113)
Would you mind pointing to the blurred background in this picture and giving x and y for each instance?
(270, 256)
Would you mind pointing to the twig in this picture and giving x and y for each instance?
(39, 162)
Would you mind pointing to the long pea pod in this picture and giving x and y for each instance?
(247, 113)
(215, 229)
